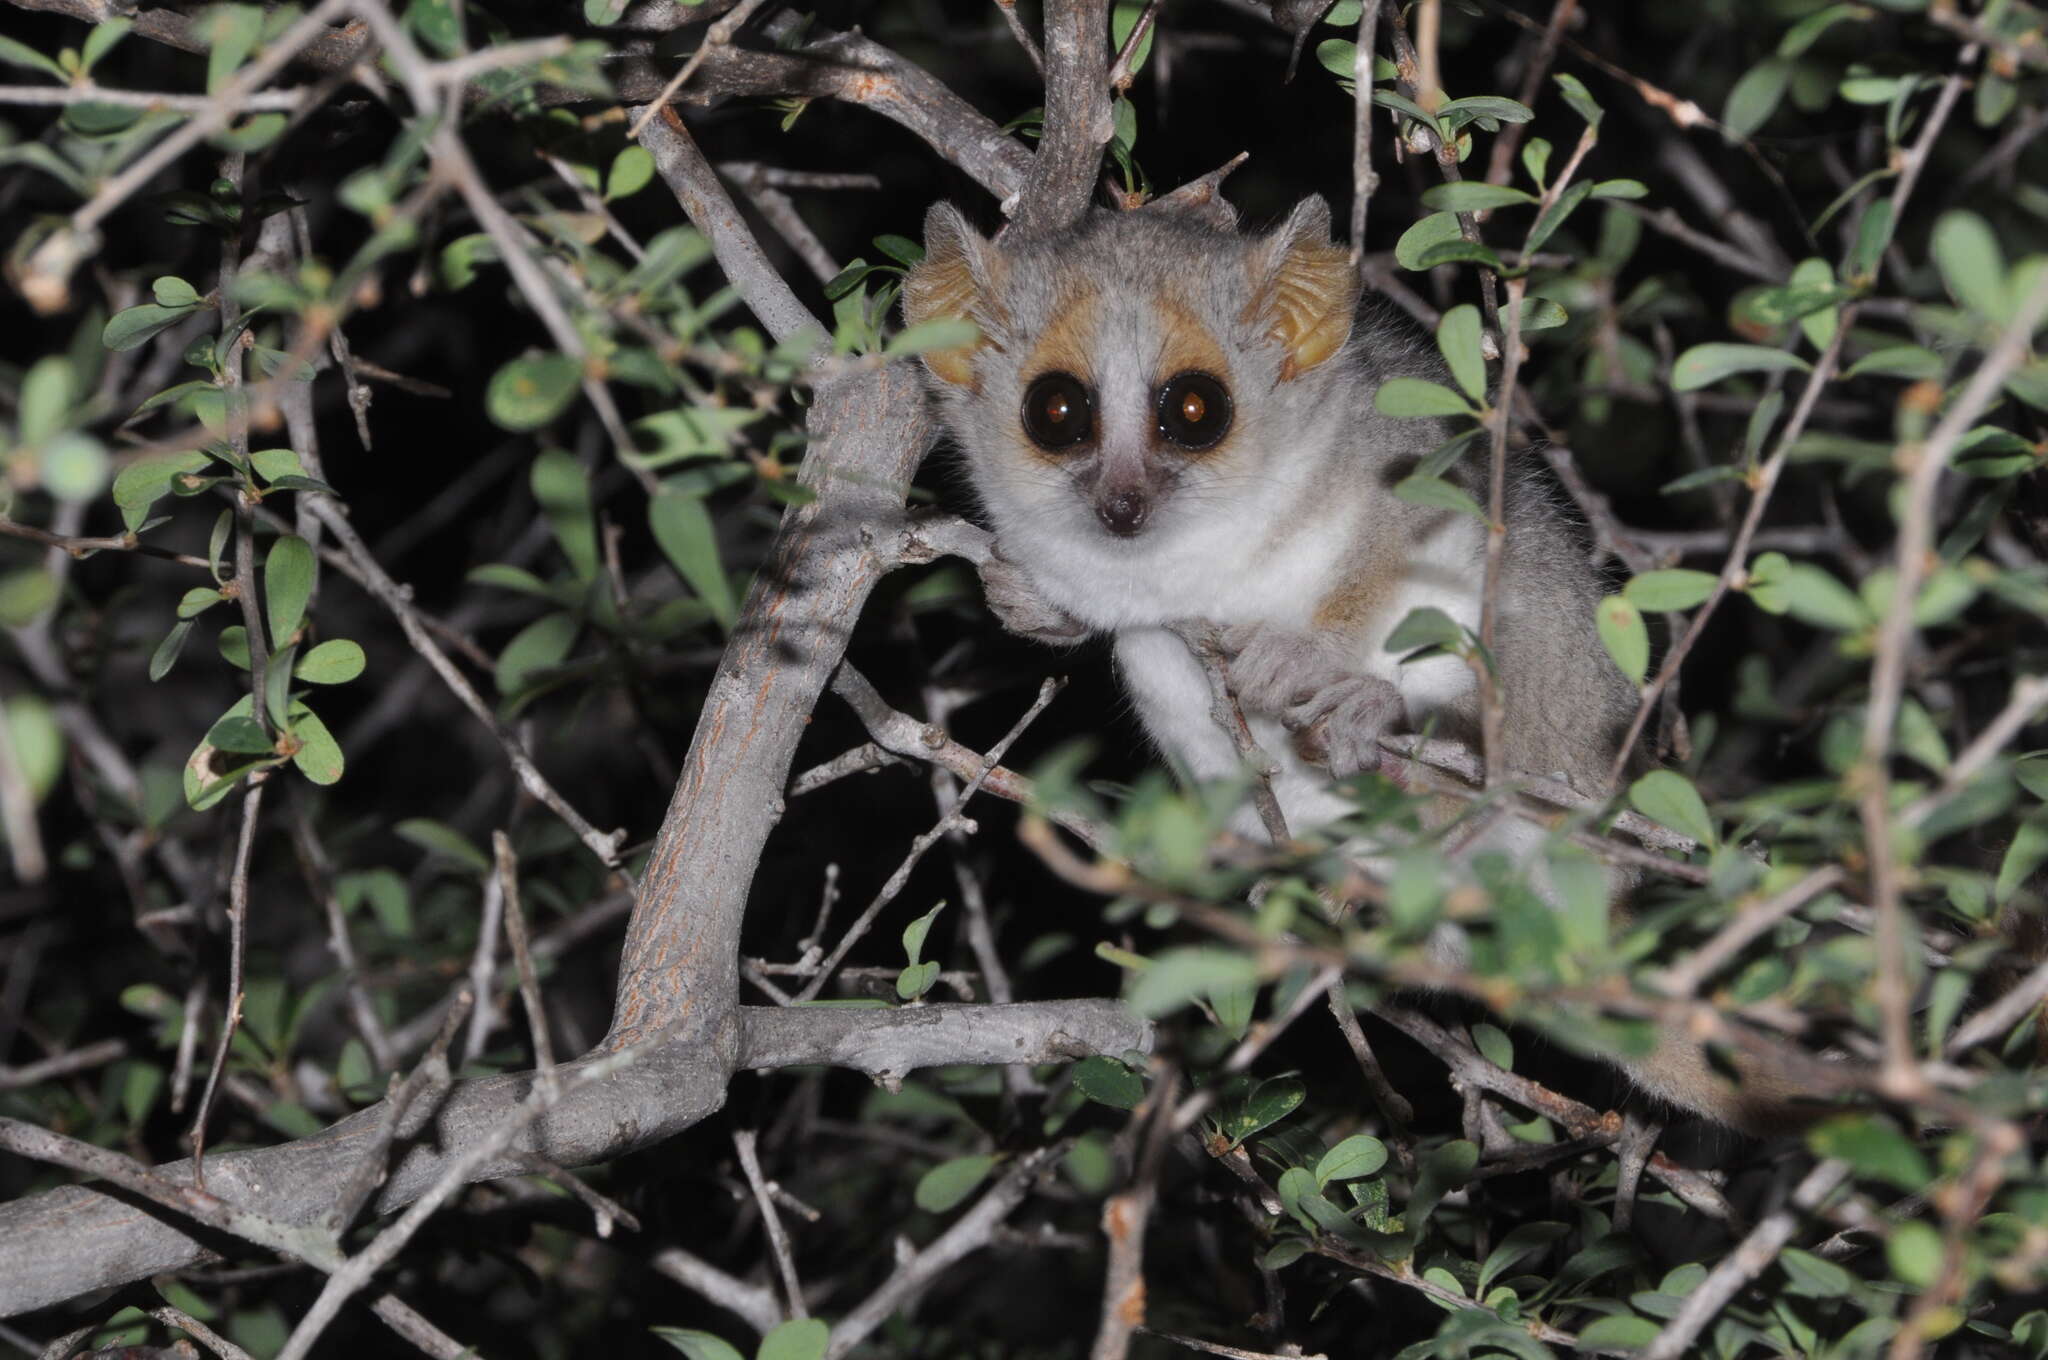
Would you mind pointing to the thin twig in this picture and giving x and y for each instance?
(522, 957)
(715, 37)
(238, 935)
(1120, 70)
(926, 841)
(771, 1222)
(1364, 179)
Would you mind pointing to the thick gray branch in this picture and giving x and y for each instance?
(1077, 116)
(889, 1043)
(69, 1241)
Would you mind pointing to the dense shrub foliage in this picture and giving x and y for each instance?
(400, 425)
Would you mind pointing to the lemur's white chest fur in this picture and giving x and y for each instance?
(1206, 575)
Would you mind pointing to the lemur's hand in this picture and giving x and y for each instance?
(1314, 687)
(1021, 609)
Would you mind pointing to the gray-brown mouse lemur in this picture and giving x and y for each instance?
(1166, 420)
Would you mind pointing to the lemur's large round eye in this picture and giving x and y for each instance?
(1194, 410)
(1058, 413)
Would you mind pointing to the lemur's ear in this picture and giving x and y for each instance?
(1304, 288)
(959, 276)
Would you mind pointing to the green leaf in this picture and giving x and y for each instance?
(1818, 324)
(319, 754)
(1898, 361)
(2027, 852)
(144, 482)
(231, 33)
(441, 839)
(631, 170)
(1108, 1082)
(74, 466)
(1460, 251)
(197, 601)
(1972, 267)
(693, 432)
(172, 291)
(1914, 1252)
(46, 395)
(38, 743)
(1807, 31)
(1494, 1045)
(1415, 398)
(288, 575)
(1269, 1103)
(1541, 314)
(1706, 364)
(1873, 233)
(1233, 1007)
(563, 490)
(697, 1345)
(902, 249)
(798, 1339)
(1497, 107)
(1433, 230)
(166, 654)
(26, 595)
(1180, 975)
(1517, 1246)
(1617, 1332)
(1554, 216)
(1623, 633)
(1438, 494)
(1674, 588)
(271, 464)
(948, 1183)
(1812, 1277)
(682, 526)
(1580, 98)
(941, 332)
(532, 390)
(101, 41)
(1621, 188)
(1756, 96)
(334, 662)
(1426, 626)
(1359, 1155)
(277, 685)
(1442, 1170)
(1457, 337)
(1812, 595)
(1668, 798)
(15, 53)
(387, 895)
(136, 325)
(1474, 196)
(914, 980)
(505, 576)
(914, 934)
(535, 649)
(240, 734)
